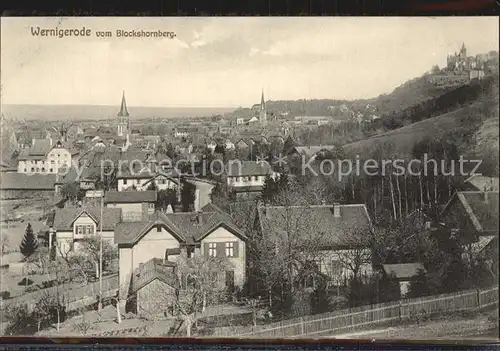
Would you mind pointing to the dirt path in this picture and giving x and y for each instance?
(480, 328)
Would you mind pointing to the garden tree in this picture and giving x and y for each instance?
(289, 145)
(4, 243)
(51, 306)
(419, 285)
(41, 259)
(320, 301)
(90, 248)
(70, 191)
(73, 264)
(221, 194)
(290, 240)
(404, 241)
(21, 320)
(29, 244)
(188, 195)
(165, 198)
(152, 186)
(201, 285)
(269, 190)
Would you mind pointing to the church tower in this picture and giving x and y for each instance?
(463, 51)
(262, 112)
(123, 119)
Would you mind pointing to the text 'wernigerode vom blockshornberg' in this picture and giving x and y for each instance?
(37, 31)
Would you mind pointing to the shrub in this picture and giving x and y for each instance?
(32, 288)
(5, 295)
(48, 284)
(25, 281)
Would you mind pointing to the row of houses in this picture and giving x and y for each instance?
(151, 243)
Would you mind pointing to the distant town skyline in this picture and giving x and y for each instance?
(226, 62)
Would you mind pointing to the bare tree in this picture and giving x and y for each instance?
(200, 285)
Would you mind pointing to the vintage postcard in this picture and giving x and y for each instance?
(250, 177)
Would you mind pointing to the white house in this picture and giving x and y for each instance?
(72, 225)
(333, 236)
(135, 205)
(33, 159)
(58, 157)
(229, 145)
(247, 176)
(165, 236)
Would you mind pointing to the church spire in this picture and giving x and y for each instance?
(123, 109)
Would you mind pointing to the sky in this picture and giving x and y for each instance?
(227, 62)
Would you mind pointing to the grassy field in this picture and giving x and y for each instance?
(452, 124)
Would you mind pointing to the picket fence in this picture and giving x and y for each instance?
(75, 297)
(364, 316)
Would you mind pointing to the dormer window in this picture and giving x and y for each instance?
(158, 228)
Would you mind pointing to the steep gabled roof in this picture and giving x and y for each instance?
(482, 183)
(65, 217)
(403, 270)
(21, 181)
(184, 226)
(317, 224)
(121, 197)
(132, 232)
(238, 168)
(154, 269)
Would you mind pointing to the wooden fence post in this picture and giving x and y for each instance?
(400, 310)
(301, 326)
(478, 294)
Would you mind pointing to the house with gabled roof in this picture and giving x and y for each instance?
(247, 176)
(135, 205)
(166, 236)
(403, 273)
(473, 217)
(164, 180)
(335, 237)
(481, 183)
(311, 151)
(72, 225)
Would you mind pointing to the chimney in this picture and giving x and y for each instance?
(199, 217)
(485, 194)
(336, 210)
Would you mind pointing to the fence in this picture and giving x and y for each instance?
(76, 296)
(363, 316)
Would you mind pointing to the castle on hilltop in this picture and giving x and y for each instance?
(461, 62)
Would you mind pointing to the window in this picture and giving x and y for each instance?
(25, 170)
(52, 162)
(151, 205)
(58, 155)
(212, 249)
(50, 170)
(255, 178)
(84, 229)
(124, 182)
(158, 228)
(249, 178)
(229, 249)
(43, 169)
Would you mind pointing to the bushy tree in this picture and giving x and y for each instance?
(188, 195)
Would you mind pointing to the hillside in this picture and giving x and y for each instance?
(408, 94)
(456, 125)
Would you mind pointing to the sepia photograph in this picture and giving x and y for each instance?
(252, 178)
